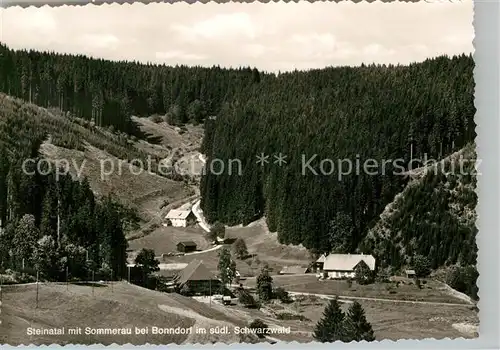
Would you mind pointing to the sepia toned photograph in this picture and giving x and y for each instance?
(238, 173)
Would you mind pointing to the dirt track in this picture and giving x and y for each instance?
(326, 296)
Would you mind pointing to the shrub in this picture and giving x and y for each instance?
(155, 118)
(219, 230)
(260, 327)
(421, 265)
(247, 300)
(464, 280)
(185, 290)
(282, 295)
(349, 283)
(289, 316)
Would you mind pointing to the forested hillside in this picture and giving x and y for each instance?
(108, 93)
(434, 216)
(368, 112)
(29, 204)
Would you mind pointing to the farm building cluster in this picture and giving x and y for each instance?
(180, 218)
(336, 266)
(197, 278)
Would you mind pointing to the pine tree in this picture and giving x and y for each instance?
(363, 274)
(45, 257)
(226, 266)
(146, 261)
(331, 327)
(265, 285)
(358, 328)
(240, 248)
(25, 240)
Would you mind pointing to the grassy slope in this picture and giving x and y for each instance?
(262, 244)
(164, 239)
(82, 144)
(122, 306)
(265, 245)
(125, 184)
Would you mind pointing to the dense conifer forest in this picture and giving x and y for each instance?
(380, 112)
(108, 93)
(368, 112)
(434, 217)
(90, 235)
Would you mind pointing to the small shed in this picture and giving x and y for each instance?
(186, 247)
(410, 273)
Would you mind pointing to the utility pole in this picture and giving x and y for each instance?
(210, 293)
(1, 294)
(92, 282)
(58, 216)
(128, 274)
(111, 280)
(67, 282)
(58, 222)
(37, 275)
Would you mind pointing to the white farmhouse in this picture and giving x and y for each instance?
(343, 265)
(180, 218)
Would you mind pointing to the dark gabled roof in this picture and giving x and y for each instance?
(295, 270)
(195, 271)
(187, 244)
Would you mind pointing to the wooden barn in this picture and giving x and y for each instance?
(186, 247)
(196, 279)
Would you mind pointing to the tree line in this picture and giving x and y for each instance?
(52, 222)
(109, 93)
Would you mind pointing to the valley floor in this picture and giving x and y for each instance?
(122, 305)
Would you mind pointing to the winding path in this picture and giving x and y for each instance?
(326, 296)
(199, 215)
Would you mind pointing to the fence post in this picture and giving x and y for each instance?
(1, 285)
(37, 276)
